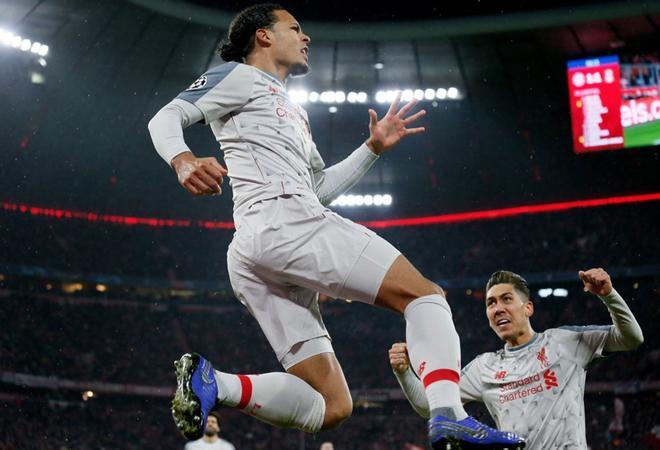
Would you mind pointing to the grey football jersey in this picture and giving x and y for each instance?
(265, 137)
(537, 389)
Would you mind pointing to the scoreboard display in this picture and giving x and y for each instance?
(613, 105)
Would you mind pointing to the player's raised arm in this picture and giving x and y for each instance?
(626, 333)
(393, 127)
(333, 181)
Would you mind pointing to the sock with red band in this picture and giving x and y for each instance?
(277, 398)
(435, 352)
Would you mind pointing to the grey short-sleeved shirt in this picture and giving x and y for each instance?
(537, 389)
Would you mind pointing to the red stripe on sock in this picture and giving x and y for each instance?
(246, 391)
(440, 375)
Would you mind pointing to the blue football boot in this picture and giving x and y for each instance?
(469, 434)
(196, 395)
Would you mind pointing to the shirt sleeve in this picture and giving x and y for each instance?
(414, 391)
(587, 342)
(221, 90)
(166, 128)
(333, 181)
(471, 385)
(626, 333)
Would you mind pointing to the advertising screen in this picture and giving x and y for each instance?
(614, 105)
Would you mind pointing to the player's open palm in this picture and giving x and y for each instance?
(596, 281)
(399, 357)
(199, 176)
(388, 131)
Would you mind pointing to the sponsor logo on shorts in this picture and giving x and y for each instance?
(199, 83)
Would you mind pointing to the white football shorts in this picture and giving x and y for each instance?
(287, 250)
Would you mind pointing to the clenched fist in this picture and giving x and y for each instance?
(399, 357)
(596, 281)
(199, 176)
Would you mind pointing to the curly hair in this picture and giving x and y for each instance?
(239, 41)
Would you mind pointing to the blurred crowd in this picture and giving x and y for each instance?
(123, 337)
(57, 421)
(609, 236)
(126, 341)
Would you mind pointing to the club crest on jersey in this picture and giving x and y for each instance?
(543, 359)
(199, 82)
(420, 369)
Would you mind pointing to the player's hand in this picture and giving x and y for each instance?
(388, 131)
(596, 281)
(199, 176)
(399, 357)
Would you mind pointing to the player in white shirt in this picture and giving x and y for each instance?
(211, 439)
(288, 246)
(534, 386)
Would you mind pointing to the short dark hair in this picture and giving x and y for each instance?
(239, 41)
(504, 276)
(215, 414)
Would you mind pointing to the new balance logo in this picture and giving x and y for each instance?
(500, 375)
(550, 379)
(254, 409)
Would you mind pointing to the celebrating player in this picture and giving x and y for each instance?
(288, 247)
(534, 386)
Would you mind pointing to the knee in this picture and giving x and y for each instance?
(336, 412)
(427, 287)
(436, 289)
(431, 289)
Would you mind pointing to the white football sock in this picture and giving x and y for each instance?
(277, 398)
(435, 353)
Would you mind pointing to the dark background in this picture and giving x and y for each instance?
(87, 304)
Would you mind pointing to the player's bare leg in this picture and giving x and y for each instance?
(325, 375)
(434, 350)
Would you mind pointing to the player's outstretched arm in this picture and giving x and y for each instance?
(411, 385)
(331, 182)
(199, 176)
(626, 333)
